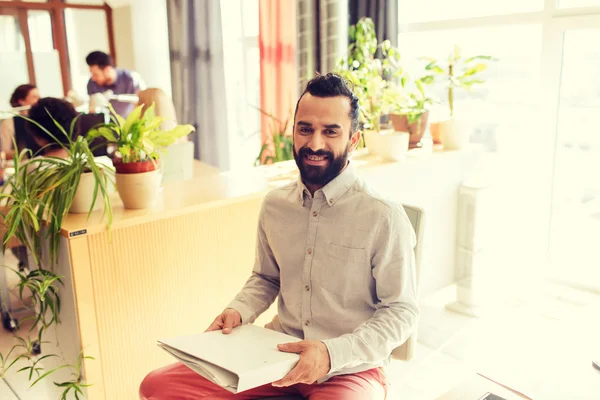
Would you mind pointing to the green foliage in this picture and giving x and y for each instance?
(282, 142)
(43, 188)
(458, 72)
(139, 137)
(40, 194)
(416, 101)
(377, 81)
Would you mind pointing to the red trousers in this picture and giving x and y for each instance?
(178, 382)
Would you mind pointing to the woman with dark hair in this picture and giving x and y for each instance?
(24, 95)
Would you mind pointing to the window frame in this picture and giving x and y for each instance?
(555, 21)
(56, 10)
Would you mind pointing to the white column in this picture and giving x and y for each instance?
(151, 42)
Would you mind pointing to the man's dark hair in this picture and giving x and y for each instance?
(20, 93)
(63, 113)
(99, 58)
(333, 85)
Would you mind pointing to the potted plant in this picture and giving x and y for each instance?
(50, 187)
(139, 140)
(414, 111)
(456, 73)
(282, 142)
(377, 84)
(35, 200)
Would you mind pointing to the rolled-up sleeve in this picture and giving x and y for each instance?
(262, 287)
(393, 268)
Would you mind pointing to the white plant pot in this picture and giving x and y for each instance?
(371, 141)
(455, 133)
(84, 195)
(393, 146)
(138, 191)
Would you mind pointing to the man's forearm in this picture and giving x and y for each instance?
(257, 295)
(373, 341)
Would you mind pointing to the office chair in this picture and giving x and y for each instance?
(405, 351)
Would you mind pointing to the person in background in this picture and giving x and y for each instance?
(338, 257)
(24, 95)
(63, 113)
(106, 77)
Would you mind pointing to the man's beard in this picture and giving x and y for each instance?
(320, 175)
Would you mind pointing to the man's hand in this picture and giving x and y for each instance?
(225, 322)
(314, 362)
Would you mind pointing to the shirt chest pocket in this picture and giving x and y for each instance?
(344, 271)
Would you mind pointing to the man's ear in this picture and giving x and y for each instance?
(355, 139)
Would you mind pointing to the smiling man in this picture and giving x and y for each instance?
(340, 258)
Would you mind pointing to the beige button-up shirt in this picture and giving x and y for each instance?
(342, 263)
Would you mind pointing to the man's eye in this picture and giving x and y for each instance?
(330, 132)
(305, 130)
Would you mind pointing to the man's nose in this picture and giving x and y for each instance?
(316, 142)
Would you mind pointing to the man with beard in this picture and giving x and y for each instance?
(340, 258)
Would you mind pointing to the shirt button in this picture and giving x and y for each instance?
(307, 288)
(307, 322)
(309, 251)
(314, 214)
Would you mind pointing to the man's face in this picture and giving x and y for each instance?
(322, 138)
(102, 76)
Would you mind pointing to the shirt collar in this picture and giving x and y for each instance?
(335, 189)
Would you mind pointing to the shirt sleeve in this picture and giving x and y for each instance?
(92, 88)
(262, 287)
(393, 266)
(138, 82)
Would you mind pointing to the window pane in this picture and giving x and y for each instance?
(511, 84)
(88, 2)
(411, 11)
(577, 3)
(86, 32)
(45, 58)
(40, 30)
(576, 197)
(13, 62)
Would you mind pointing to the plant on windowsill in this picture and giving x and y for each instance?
(35, 200)
(280, 139)
(414, 112)
(375, 72)
(456, 73)
(139, 141)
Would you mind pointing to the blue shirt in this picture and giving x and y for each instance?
(127, 82)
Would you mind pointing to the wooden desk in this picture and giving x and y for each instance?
(169, 270)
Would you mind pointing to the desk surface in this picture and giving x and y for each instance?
(210, 188)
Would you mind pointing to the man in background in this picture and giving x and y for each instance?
(106, 77)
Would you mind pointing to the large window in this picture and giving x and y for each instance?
(537, 115)
(45, 42)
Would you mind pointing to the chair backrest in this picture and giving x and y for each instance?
(416, 217)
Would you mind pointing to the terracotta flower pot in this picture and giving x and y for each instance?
(138, 183)
(135, 167)
(416, 129)
(434, 129)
